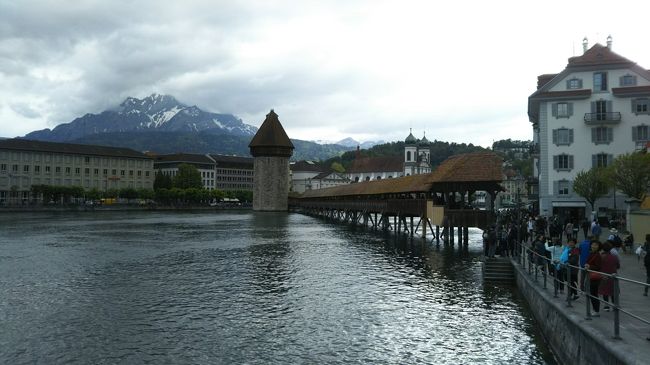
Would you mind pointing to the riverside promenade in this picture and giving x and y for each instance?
(632, 347)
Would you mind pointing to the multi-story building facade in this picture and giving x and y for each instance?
(227, 173)
(310, 175)
(168, 165)
(24, 163)
(597, 108)
(233, 172)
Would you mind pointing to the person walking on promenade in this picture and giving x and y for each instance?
(573, 260)
(609, 265)
(568, 230)
(585, 227)
(531, 229)
(585, 250)
(646, 262)
(556, 269)
(596, 230)
(594, 263)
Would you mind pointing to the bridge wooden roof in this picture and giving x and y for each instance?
(478, 168)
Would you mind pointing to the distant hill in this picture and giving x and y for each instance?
(162, 124)
(202, 142)
(439, 151)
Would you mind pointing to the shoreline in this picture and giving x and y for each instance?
(115, 208)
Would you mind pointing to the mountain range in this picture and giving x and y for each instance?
(161, 124)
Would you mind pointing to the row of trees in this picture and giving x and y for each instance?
(629, 174)
(186, 188)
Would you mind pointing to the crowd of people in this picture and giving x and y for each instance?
(555, 249)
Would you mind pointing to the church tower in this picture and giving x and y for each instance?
(424, 158)
(271, 149)
(410, 154)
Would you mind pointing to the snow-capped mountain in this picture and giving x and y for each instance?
(153, 113)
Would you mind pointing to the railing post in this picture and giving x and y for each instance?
(587, 294)
(568, 286)
(615, 298)
(555, 281)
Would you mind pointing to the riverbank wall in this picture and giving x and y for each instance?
(115, 208)
(570, 340)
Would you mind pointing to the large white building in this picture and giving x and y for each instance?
(24, 163)
(310, 175)
(597, 108)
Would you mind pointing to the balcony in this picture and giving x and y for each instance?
(602, 118)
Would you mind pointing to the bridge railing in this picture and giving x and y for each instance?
(403, 207)
(578, 282)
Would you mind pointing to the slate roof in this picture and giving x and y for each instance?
(184, 157)
(69, 148)
(271, 139)
(376, 164)
(477, 167)
(233, 161)
(308, 166)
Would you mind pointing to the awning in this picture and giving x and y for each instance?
(577, 204)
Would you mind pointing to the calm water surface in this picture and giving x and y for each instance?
(254, 288)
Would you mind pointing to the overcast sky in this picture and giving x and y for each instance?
(461, 71)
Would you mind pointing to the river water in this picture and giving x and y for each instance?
(244, 287)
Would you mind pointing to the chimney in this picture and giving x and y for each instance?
(609, 42)
(585, 45)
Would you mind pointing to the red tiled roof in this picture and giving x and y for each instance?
(598, 55)
(376, 164)
(632, 90)
(544, 79)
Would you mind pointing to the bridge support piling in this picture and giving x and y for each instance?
(466, 236)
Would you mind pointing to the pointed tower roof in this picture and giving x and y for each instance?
(410, 139)
(424, 141)
(271, 139)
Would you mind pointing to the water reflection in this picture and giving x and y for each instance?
(247, 287)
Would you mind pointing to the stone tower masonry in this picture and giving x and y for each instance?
(271, 149)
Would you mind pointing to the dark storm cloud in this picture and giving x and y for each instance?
(25, 110)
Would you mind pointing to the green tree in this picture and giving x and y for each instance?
(162, 181)
(336, 166)
(591, 185)
(630, 173)
(188, 176)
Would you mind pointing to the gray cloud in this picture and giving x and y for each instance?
(25, 110)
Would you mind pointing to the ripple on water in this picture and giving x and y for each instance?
(248, 288)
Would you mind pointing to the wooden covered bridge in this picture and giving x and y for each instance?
(437, 199)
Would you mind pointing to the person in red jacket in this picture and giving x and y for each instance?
(594, 263)
(609, 265)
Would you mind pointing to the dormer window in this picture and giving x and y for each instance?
(628, 80)
(574, 84)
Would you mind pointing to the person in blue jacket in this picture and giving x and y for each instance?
(585, 249)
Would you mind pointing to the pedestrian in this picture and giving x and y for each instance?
(568, 230)
(573, 262)
(646, 262)
(531, 229)
(596, 230)
(585, 227)
(609, 265)
(556, 267)
(585, 250)
(594, 264)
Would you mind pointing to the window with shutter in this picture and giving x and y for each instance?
(641, 106)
